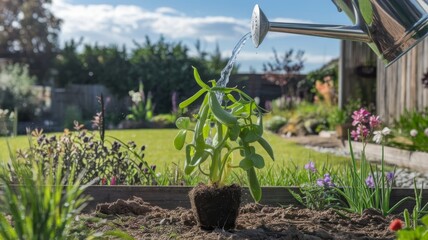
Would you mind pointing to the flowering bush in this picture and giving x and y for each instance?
(114, 163)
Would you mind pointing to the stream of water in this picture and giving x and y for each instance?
(225, 73)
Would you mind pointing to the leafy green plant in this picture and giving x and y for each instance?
(113, 162)
(413, 219)
(223, 128)
(44, 202)
(337, 117)
(420, 232)
(8, 122)
(318, 191)
(142, 108)
(412, 127)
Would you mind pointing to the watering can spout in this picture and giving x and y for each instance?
(260, 26)
(390, 28)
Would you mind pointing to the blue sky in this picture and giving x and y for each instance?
(220, 22)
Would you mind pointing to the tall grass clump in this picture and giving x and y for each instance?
(39, 203)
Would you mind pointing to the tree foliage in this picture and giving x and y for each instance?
(29, 34)
(283, 70)
(163, 67)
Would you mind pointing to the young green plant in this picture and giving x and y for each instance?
(223, 129)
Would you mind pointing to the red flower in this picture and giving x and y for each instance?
(396, 225)
(103, 181)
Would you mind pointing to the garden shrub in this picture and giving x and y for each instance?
(16, 90)
(113, 163)
(275, 123)
(411, 131)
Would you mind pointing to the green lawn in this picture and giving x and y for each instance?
(161, 152)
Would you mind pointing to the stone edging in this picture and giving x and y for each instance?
(417, 161)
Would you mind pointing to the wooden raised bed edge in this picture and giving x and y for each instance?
(417, 161)
(171, 197)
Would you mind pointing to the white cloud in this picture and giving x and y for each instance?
(105, 23)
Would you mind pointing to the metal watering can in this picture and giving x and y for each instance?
(389, 27)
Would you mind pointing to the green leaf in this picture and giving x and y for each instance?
(255, 189)
(234, 132)
(257, 160)
(424, 220)
(266, 146)
(199, 80)
(191, 99)
(231, 98)
(180, 139)
(246, 163)
(219, 113)
(251, 133)
(183, 123)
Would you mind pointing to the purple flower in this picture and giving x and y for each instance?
(310, 167)
(326, 181)
(370, 181)
(390, 176)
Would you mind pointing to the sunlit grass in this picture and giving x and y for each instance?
(161, 152)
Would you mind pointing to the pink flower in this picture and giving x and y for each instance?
(374, 121)
(360, 133)
(426, 132)
(360, 116)
(113, 180)
(413, 132)
(355, 135)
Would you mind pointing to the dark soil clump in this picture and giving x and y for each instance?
(254, 222)
(215, 207)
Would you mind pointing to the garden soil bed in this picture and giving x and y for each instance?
(145, 221)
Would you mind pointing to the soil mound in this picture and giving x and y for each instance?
(255, 221)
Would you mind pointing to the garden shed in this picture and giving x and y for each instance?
(391, 90)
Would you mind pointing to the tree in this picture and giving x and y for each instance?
(283, 71)
(29, 34)
(107, 65)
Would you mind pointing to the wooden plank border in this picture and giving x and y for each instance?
(171, 197)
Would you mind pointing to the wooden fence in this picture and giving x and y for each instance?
(400, 85)
(392, 90)
(81, 100)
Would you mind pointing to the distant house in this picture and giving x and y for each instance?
(390, 90)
